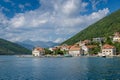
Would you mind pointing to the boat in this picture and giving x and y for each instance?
(104, 56)
(68, 55)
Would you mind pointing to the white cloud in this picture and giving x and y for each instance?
(22, 6)
(59, 40)
(96, 2)
(18, 21)
(69, 7)
(29, 19)
(56, 20)
(73, 6)
(3, 21)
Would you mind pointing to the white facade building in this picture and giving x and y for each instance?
(74, 50)
(108, 50)
(85, 49)
(38, 51)
(99, 39)
(116, 37)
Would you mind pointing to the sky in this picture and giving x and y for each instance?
(50, 20)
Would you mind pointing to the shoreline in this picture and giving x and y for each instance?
(58, 56)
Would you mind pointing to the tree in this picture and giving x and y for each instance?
(108, 41)
(58, 51)
(117, 45)
(94, 50)
(47, 51)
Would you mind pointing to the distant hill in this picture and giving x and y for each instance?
(31, 44)
(10, 48)
(104, 27)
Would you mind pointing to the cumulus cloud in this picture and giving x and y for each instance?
(54, 20)
(73, 6)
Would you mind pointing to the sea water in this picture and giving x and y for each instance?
(72, 68)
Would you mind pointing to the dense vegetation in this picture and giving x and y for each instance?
(9, 48)
(105, 27)
(56, 52)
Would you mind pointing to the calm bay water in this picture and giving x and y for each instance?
(74, 68)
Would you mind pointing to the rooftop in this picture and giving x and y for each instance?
(107, 46)
(74, 48)
(38, 48)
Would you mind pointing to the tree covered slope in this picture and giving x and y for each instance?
(104, 27)
(9, 48)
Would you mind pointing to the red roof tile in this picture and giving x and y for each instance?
(39, 49)
(74, 48)
(107, 46)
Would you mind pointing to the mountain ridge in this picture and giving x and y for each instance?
(31, 44)
(10, 48)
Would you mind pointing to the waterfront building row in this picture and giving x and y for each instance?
(84, 47)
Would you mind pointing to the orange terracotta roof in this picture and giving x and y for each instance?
(55, 48)
(74, 48)
(107, 46)
(39, 49)
(68, 47)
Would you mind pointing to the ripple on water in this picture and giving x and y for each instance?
(75, 68)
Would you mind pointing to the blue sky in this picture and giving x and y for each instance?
(50, 20)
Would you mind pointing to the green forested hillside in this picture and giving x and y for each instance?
(105, 27)
(9, 48)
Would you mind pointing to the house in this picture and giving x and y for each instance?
(98, 39)
(65, 47)
(38, 51)
(85, 49)
(54, 49)
(116, 37)
(86, 42)
(74, 50)
(51, 49)
(108, 50)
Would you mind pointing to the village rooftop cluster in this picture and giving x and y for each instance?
(100, 46)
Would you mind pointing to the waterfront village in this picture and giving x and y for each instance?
(100, 46)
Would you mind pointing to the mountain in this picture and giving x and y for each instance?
(28, 46)
(104, 27)
(10, 48)
(31, 44)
